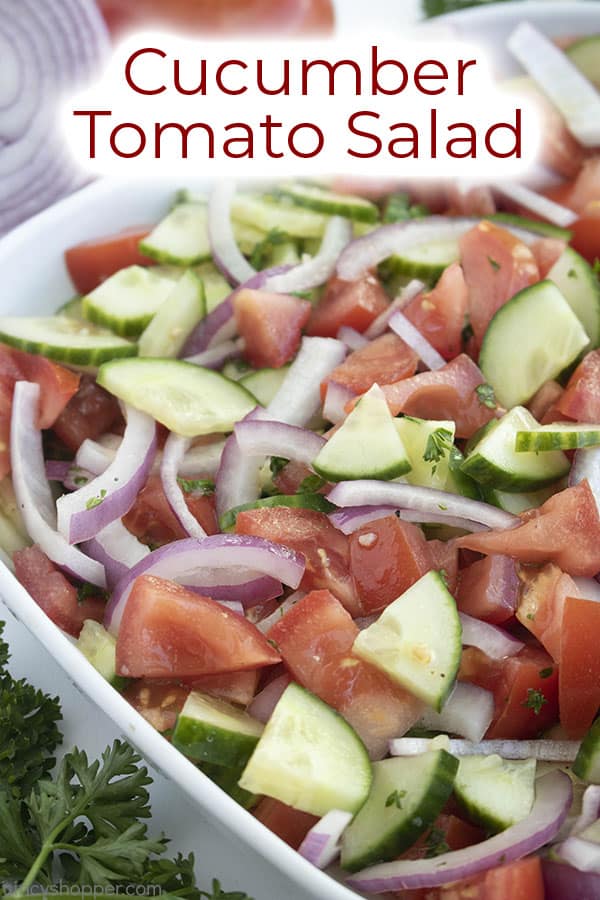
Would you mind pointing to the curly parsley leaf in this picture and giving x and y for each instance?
(486, 396)
(535, 700)
(219, 894)
(439, 443)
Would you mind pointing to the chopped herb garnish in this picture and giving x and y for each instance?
(93, 502)
(467, 332)
(262, 253)
(80, 480)
(196, 486)
(277, 464)
(531, 617)
(395, 799)
(311, 484)
(435, 843)
(571, 273)
(486, 396)
(546, 673)
(495, 265)
(535, 700)
(442, 506)
(438, 445)
(399, 208)
(86, 591)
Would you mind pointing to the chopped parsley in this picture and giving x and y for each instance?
(571, 273)
(277, 464)
(467, 332)
(399, 209)
(395, 799)
(535, 700)
(86, 591)
(486, 396)
(196, 486)
(438, 445)
(435, 843)
(546, 673)
(80, 480)
(494, 264)
(93, 502)
(311, 484)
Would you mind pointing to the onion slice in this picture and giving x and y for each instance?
(264, 703)
(493, 641)
(547, 751)
(298, 399)
(408, 293)
(318, 270)
(322, 843)
(352, 518)
(117, 549)
(468, 711)
(580, 853)
(216, 357)
(537, 203)
(225, 251)
(352, 338)
(590, 809)
(413, 337)
(550, 809)
(191, 562)
(32, 489)
(279, 439)
(337, 397)
(82, 514)
(173, 453)
(422, 499)
(238, 475)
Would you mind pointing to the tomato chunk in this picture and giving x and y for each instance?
(92, 262)
(545, 400)
(170, 632)
(454, 832)
(387, 556)
(235, 687)
(352, 303)
(440, 314)
(581, 398)
(315, 639)
(579, 670)
(325, 549)
(542, 604)
(448, 393)
(488, 589)
(546, 252)
(289, 824)
(152, 520)
(444, 556)
(158, 702)
(53, 593)
(385, 360)
(564, 530)
(496, 265)
(521, 880)
(89, 414)
(271, 326)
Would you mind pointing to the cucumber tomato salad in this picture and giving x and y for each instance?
(312, 479)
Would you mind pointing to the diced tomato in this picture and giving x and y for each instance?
(496, 265)
(236, 687)
(57, 386)
(542, 604)
(352, 303)
(583, 196)
(152, 520)
(91, 263)
(289, 479)
(447, 393)
(315, 639)
(444, 555)
(169, 632)
(558, 148)
(525, 689)
(586, 187)
(545, 399)
(521, 880)
(440, 314)
(271, 326)
(546, 252)
(89, 414)
(159, 702)
(325, 549)
(586, 232)
(581, 399)
(387, 556)
(289, 824)
(383, 361)
(53, 593)
(453, 831)
(564, 530)
(488, 589)
(475, 201)
(579, 670)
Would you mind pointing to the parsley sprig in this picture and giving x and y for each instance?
(439, 443)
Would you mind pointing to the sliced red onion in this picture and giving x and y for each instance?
(233, 606)
(299, 398)
(352, 338)
(537, 203)
(365, 253)
(264, 703)
(190, 561)
(574, 96)
(278, 439)
(422, 499)
(57, 469)
(413, 337)
(322, 843)
(468, 711)
(247, 588)
(226, 254)
(547, 751)
(202, 459)
(337, 396)
(563, 882)
(77, 478)
(550, 809)
(408, 293)
(173, 453)
(413, 515)
(583, 855)
(586, 464)
(94, 457)
(590, 809)
(82, 514)
(320, 268)
(32, 489)
(117, 549)
(281, 610)
(216, 357)
(493, 641)
(238, 476)
(352, 518)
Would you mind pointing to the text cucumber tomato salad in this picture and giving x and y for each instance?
(312, 478)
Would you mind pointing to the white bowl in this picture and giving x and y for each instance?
(34, 280)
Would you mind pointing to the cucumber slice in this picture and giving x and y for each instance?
(417, 640)
(213, 731)
(185, 398)
(520, 502)
(127, 301)
(317, 502)
(426, 262)
(227, 779)
(429, 445)
(495, 461)
(546, 229)
(175, 319)
(494, 792)
(330, 203)
(267, 213)
(587, 761)
(13, 533)
(236, 369)
(73, 309)
(578, 284)
(366, 446)
(530, 340)
(407, 795)
(558, 436)
(264, 383)
(457, 482)
(181, 238)
(585, 54)
(309, 757)
(99, 648)
(64, 339)
(216, 289)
